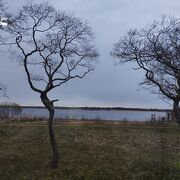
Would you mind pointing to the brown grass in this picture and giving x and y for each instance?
(90, 151)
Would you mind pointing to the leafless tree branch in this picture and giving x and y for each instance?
(156, 50)
(54, 47)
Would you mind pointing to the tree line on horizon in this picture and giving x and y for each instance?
(54, 47)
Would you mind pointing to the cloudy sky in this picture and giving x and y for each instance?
(108, 85)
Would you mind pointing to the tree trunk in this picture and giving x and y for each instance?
(49, 105)
(176, 111)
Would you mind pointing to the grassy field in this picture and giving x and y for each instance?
(92, 152)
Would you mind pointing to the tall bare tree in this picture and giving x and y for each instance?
(156, 50)
(54, 48)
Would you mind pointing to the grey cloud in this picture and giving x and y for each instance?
(108, 85)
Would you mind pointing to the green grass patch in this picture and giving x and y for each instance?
(90, 152)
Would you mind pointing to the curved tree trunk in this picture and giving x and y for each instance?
(176, 111)
(49, 105)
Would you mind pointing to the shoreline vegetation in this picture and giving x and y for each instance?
(91, 122)
(91, 150)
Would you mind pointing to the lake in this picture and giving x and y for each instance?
(102, 114)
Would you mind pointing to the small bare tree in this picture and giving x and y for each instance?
(53, 47)
(156, 50)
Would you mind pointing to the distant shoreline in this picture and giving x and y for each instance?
(100, 108)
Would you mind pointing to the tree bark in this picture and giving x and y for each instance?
(176, 111)
(49, 105)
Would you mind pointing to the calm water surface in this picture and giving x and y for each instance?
(130, 115)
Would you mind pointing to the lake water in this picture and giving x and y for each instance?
(131, 115)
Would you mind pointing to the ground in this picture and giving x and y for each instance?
(90, 151)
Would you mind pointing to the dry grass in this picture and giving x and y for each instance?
(92, 151)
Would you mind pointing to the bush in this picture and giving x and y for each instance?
(10, 110)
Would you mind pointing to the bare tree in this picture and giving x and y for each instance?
(53, 47)
(156, 50)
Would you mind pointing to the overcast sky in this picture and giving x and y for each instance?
(108, 85)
